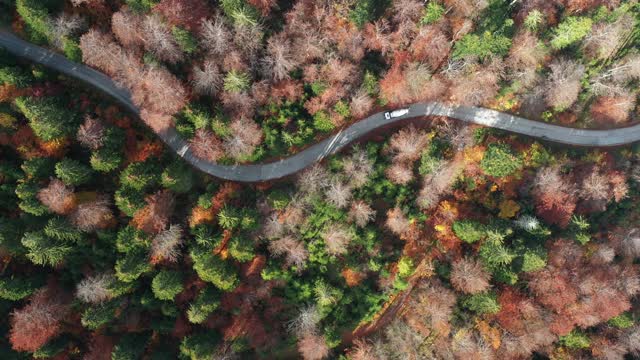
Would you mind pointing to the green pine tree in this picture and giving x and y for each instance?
(204, 304)
(178, 177)
(49, 119)
(60, 229)
(213, 269)
(42, 250)
(73, 172)
(166, 285)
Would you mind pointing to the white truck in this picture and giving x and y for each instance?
(395, 113)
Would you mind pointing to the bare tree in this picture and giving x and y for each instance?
(632, 340)
(438, 183)
(279, 61)
(59, 198)
(64, 26)
(361, 104)
(630, 243)
(166, 245)
(215, 35)
(313, 179)
(431, 45)
(95, 289)
(338, 194)
(563, 84)
(361, 213)
(408, 143)
(207, 79)
(400, 173)
(336, 239)
(306, 322)
(362, 350)
(606, 38)
(158, 122)
(127, 27)
(88, 2)
(159, 40)
(407, 10)
(357, 168)
(245, 136)
(397, 221)
(206, 145)
(468, 8)
(313, 347)
(604, 255)
(377, 36)
(525, 55)
(476, 87)
(468, 276)
(273, 227)
(595, 187)
(527, 222)
(91, 133)
(294, 251)
(159, 91)
(92, 215)
(248, 39)
(627, 69)
(100, 51)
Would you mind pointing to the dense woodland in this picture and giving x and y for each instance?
(433, 240)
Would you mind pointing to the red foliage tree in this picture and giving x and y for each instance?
(431, 45)
(154, 217)
(37, 322)
(126, 26)
(206, 145)
(554, 196)
(313, 347)
(264, 6)
(608, 110)
(185, 13)
(100, 348)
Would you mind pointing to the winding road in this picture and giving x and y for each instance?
(334, 143)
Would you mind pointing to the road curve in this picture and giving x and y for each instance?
(331, 145)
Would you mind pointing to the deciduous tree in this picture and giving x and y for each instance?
(468, 276)
(563, 84)
(92, 215)
(188, 14)
(95, 289)
(154, 217)
(126, 25)
(295, 251)
(397, 221)
(159, 40)
(336, 239)
(59, 198)
(207, 79)
(206, 145)
(37, 322)
(91, 133)
(361, 213)
(554, 196)
(313, 347)
(166, 245)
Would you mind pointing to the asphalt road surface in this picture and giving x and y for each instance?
(334, 143)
